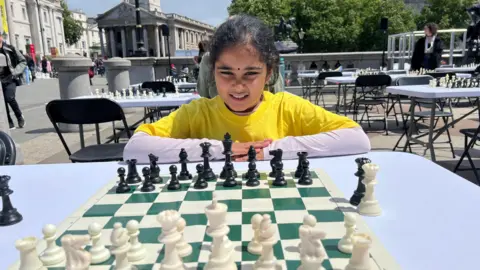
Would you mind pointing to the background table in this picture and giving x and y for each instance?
(427, 220)
(171, 100)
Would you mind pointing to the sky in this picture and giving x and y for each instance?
(209, 11)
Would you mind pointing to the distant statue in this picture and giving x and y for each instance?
(284, 29)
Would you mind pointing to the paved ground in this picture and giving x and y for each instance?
(40, 144)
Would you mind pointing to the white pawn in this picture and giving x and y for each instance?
(120, 247)
(183, 248)
(53, 254)
(309, 221)
(345, 244)
(254, 246)
(360, 259)
(29, 259)
(98, 251)
(369, 206)
(137, 251)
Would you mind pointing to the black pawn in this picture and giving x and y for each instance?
(252, 179)
(272, 163)
(147, 182)
(9, 214)
(279, 179)
(230, 181)
(207, 171)
(306, 178)
(184, 174)
(301, 157)
(132, 175)
(200, 183)
(227, 151)
(154, 170)
(252, 157)
(360, 191)
(173, 184)
(123, 186)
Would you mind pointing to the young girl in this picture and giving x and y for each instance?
(243, 58)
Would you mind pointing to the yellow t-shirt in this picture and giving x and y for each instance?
(278, 116)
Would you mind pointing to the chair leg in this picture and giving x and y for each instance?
(385, 116)
(445, 120)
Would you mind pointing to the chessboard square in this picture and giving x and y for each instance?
(256, 193)
(228, 195)
(263, 176)
(149, 221)
(193, 257)
(193, 207)
(313, 192)
(156, 190)
(234, 218)
(333, 230)
(320, 203)
(247, 216)
(108, 210)
(290, 184)
(133, 209)
(199, 196)
(327, 215)
(149, 235)
(340, 263)
(84, 222)
(183, 187)
(205, 251)
(164, 197)
(122, 219)
(194, 233)
(210, 187)
(113, 199)
(152, 253)
(72, 232)
(248, 257)
(219, 185)
(284, 193)
(288, 204)
(326, 265)
(289, 231)
(257, 205)
(157, 208)
(113, 190)
(195, 219)
(331, 247)
(263, 184)
(233, 205)
(235, 234)
(247, 232)
(144, 266)
(290, 216)
(290, 249)
(142, 198)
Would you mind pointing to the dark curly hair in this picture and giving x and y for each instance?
(247, 30)
(432, 27)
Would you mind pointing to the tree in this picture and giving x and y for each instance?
(270, 11)
(446, 13)
(72, 28)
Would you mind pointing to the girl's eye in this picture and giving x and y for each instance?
(251, 73)
(226, 73)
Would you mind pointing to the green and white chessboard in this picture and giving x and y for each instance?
(287, 207)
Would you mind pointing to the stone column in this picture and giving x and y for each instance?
(162, 38)
(124, 43)
(34, 26)
(145, 40)
(54, 28)
(73, 79)
(157, 40)
(11, 25)
(117, 73)
(113, 46)
(4, 126)
(42, 32)
(134, 38)
(102, 45)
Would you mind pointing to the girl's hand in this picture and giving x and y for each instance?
(260, 156)
(241, 149)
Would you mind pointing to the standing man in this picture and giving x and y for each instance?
(11, 76)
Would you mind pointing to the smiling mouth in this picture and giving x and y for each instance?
(239, 96)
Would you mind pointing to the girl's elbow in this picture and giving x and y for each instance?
(363, 143)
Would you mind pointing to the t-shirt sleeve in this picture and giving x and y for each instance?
(175, 125)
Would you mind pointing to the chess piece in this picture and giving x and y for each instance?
(230, 181)
(221, 256)
(98, 251)
(200, 183)
(170, 237)
(272, 163)
(252, 179)
(309, 221)
(147, 183)
(306, 177)
(77, 257)
(132, 175)
(137, 251)
(254, 246)
(359, 192)
(301, 157)
(29, 259)
(122, 186)
(53, 254)
(345, 244)
(252, 157)
(279, 179)
(360, 254)
(9, 215)
(173, 184)
(208, 174)
(184, 174)
(120, 246)
(154, 170)
(369, 205)
(267, 239)
(227, 151)
(313, 252)
(184, 249)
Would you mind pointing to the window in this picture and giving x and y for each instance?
(12, 9)
(17, 42)
(24, 13)
(27, 40)
(49, 43)
(84, 45)
(45, 16)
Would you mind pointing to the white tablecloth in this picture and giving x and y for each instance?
(425, 91)
(171, 100)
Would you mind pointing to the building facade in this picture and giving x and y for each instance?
(117, 27)
(89, 43)
(35, 22)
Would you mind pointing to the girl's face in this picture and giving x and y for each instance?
(240, 76)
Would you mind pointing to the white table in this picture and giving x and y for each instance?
(186, 85)
(171, 100)
(427, 220)
(456, 69)
(434, 93)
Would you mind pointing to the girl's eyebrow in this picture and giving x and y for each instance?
(224, 67)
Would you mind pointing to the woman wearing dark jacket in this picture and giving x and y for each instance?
(428, 50)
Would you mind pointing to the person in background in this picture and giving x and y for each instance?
(30, 65)
(44, 65)
(10, 76)
(313, 66)
(428, 50)
(326, 66)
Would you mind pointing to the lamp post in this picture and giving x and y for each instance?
(141, 51)
(301, 35)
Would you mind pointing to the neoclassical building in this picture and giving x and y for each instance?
(89, 42)
(118, 25)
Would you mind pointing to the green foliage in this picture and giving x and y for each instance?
(446, 13)
(269, 11)
(73, 29)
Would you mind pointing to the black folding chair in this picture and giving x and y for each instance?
(89, 111)
(8, 151)
(320, 87)
(473, 135)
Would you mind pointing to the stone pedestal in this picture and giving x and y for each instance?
(73, 81)
(141, 70)
(118, 77)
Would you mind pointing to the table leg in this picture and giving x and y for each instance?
(430, 130)
(345, 99)
(411, 125)
(339, 91)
